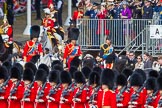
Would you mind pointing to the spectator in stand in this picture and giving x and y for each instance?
(132, 60)
(147, 10)
(126, 12)
(139, 64)
(137, 10)
(158, 8)
(147, 63)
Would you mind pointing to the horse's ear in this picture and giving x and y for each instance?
(1, 40)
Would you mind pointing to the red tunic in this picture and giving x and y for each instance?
(55, 103)
(29, 45)
(109, 99)
(77, 14)
(5, 94)
(43, 104)
(69, 53)
(82, 97)
(68, 102)
(32, 96)
(49, 24)
(125, 99)
(16, 103)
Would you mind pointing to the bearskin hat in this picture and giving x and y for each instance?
(107, 78)
(86, 71)
(142, 73)
(28, 74)
(74, 33)
(159, 82)
(8, 66)
(151, 83)
(88, 62)
(127, 72)
(79, 77)
(136, 80)
(41, 75)
(56, 62)
(65, 77)
(15, 73)
(97, 69)
(72, 70)
(4, 54)
(153, 73)
(34, 31)
(75, 62)
(32, 66)
(3, 72)
(53, 76)
(19, 66)
(94, 78)
(121, 80)
(44, 67)
(58, 67)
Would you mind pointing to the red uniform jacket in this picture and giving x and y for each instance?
(31, 49)
(68, 102)
(102, 15)
(49, 24)
(5, 94)
(42, 104)
(56, 96)
(70, 52)
(107, 98)
(16, 103)
(140, 101)
(82, 97)
(125, 99)
(77, 14)
(32, 96)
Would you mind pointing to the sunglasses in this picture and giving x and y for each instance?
(138, 58)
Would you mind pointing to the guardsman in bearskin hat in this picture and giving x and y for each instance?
(4, 87)
(32, 66)
(94, 82)
(32, 49)
(41, 88)
(72, 50)
(55, 90)
(107, 97)
(152, 93)
(6, 32)
(137, 95)
(67, 92)
(107, 54)
(80, 92)
(159, 97)
(122, 95)
(17, 90)
(29, 93)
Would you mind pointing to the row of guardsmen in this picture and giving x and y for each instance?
(43, 89)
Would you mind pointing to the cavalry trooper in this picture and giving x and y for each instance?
(32, 49)
(29, 93)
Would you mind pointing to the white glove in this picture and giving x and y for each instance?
(64, 65)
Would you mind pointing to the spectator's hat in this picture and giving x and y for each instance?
(47, 11)
(79, 77)
(151, 83)
(159, 82)
(65, 77)
(53, 76)
(3, 72)
(121, 80)
(136, 80)
(28, 74)
(110, 3)
(124, 3)
(41, 75)
(95, 4)
(107, 78)
(15, 73)
(34, 31)
(74, 34)
(94, 78)
(148, 1)
(103, 4)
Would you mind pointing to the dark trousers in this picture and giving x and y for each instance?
(37, 8)
(60, 18)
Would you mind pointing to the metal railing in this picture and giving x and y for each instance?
(124, 33)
